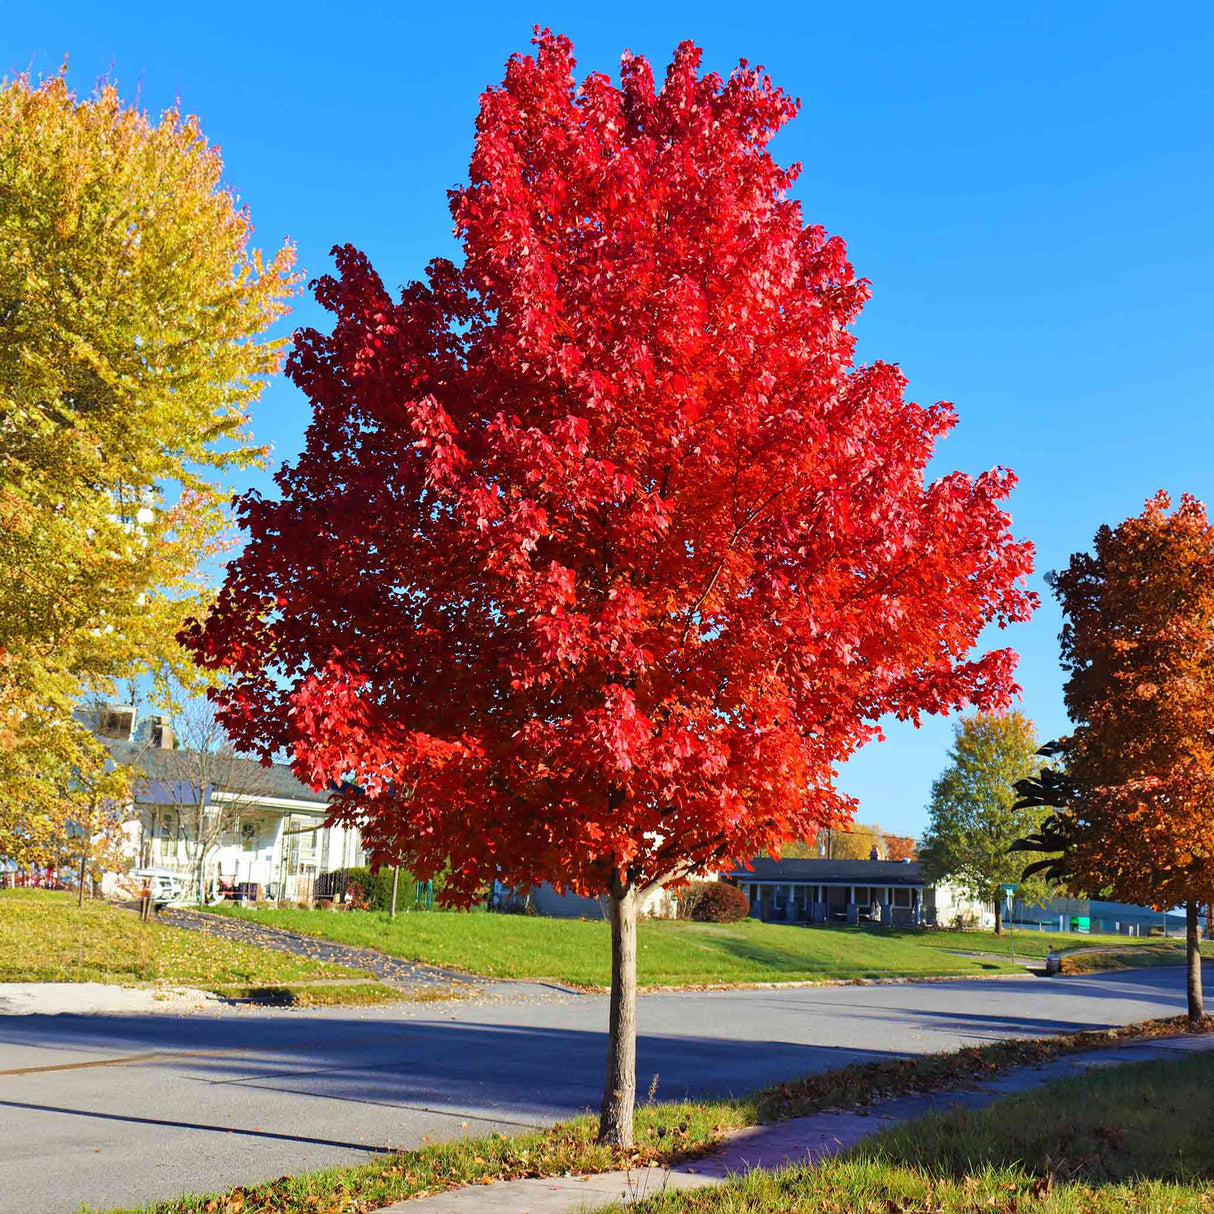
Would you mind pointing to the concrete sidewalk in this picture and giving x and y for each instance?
(800, 1140)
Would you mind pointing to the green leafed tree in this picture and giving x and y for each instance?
(973, 822)
(133, 318)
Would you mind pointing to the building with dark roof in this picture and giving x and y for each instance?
(892, 892)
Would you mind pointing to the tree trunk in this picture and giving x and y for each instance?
(200, 877)
(619, 1095)
(395, 885)
(1193, 951)
(998, 917)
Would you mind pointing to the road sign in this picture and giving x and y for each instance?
(1009, 901)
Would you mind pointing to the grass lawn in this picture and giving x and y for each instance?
(1127, 1138)
(577, 951)
(665, 1133)
(1130, 956)
(44, 937)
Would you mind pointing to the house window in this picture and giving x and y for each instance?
(902, 897)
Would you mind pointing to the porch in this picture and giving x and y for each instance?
(814, 890)
(828, 902)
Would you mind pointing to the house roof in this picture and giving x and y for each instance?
(833, 872)
(246, 778)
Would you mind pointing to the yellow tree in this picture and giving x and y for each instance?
(133, 311)
(852, 842)
(1135, 795)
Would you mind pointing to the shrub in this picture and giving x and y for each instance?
(713, 902)
(373, 891)
(687, 897)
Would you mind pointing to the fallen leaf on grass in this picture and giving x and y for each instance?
(1043, 1186)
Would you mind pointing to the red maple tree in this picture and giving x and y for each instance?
(602, 553)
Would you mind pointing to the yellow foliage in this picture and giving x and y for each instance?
(132, 320)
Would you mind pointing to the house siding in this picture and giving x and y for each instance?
(277, 842)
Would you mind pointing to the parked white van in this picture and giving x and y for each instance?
(166, 886)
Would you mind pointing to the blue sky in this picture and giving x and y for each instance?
(1029, 188)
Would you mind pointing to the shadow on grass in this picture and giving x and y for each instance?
(1142, 1121)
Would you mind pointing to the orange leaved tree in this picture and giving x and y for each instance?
(1136, 801)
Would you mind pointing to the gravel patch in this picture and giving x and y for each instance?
(411, 977)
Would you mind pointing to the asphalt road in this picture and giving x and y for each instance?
(121, 1110)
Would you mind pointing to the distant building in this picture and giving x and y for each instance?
(891, 892)
(1086, 914)
(803, 891)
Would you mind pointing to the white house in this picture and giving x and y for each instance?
(262, 829)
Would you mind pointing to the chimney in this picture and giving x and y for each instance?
(874, 854)
(116, 721)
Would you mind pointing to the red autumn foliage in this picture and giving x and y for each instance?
(602, 553)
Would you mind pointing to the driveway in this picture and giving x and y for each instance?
(125, 1109)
